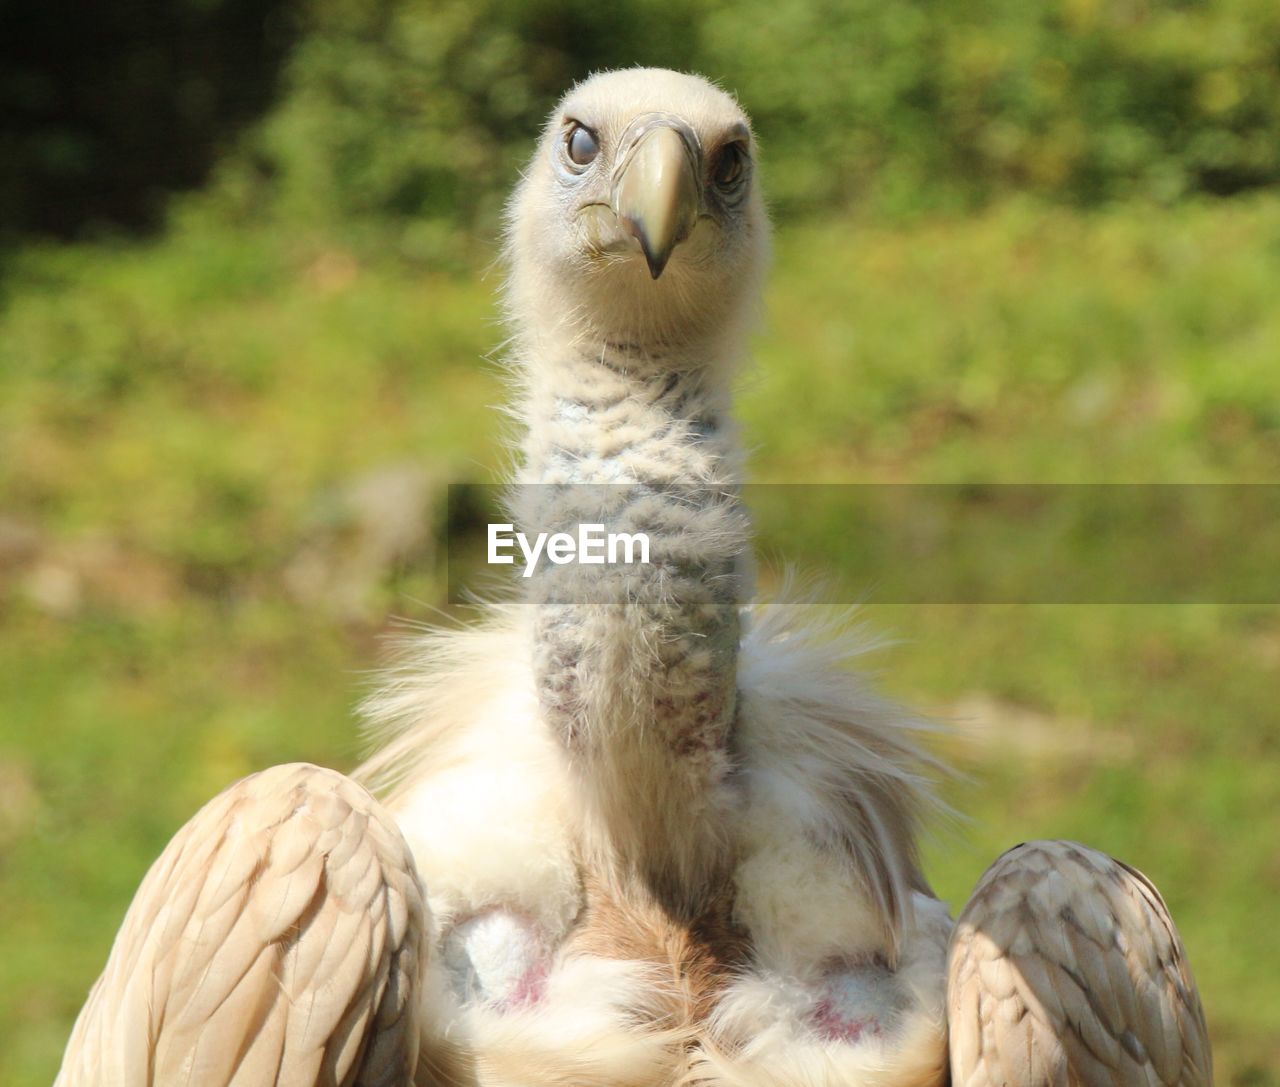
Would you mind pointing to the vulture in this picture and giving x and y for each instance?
(637, 828)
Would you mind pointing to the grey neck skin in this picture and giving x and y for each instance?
(636, 665)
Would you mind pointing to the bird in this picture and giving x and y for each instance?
(639, 825)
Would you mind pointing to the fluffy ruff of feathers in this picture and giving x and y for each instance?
(825, 876)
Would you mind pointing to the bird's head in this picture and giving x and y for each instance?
(639, 219)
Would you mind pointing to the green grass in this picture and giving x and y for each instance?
(179, 424)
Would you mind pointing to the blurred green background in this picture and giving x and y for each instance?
(248, 336)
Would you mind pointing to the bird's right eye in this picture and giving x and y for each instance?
(582, 145)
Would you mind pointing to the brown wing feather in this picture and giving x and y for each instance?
(1066, 969)
(279, 939)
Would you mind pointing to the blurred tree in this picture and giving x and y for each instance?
(106, 107)
(422, 110)
(414, 115)
(912, 104)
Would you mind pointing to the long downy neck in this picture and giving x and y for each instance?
(636, 665)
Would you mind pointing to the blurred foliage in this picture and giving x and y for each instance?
(417, 113)
(1082, 100)
(422, 112)
(105, 108)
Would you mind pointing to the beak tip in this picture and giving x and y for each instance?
(655, 258)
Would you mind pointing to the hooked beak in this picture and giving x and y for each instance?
(655, 192)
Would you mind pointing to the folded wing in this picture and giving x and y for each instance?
(279, 939)
(1066, 969)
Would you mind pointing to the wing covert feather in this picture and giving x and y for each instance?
(278, 940)
(1066, 969)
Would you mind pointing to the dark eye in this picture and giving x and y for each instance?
(582, 145)
(729, 165)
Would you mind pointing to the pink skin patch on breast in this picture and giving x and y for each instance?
(498, 958)
(529, 990)
(855, 1002)
(834, 1026)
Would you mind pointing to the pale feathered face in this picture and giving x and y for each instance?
(639, 217)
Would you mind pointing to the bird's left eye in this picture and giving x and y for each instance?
(729, 165)
(582, 146)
